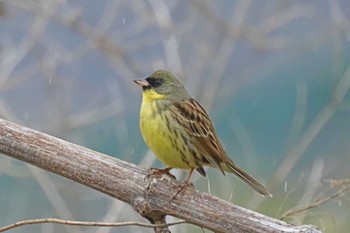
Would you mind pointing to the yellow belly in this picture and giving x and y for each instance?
(164, 143)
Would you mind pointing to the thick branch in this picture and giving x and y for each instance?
(126, 182)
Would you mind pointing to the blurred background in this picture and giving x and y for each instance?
(274, 76)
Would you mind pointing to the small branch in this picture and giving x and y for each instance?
(319, 201)
(127, 182)
(91, 224)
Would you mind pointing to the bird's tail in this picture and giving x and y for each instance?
(232, 168)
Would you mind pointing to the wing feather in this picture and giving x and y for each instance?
(192, 117)
(195, 120)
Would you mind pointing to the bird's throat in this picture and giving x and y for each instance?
(149, 95)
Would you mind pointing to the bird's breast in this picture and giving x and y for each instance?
(161, 136)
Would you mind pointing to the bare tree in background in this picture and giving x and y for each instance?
(66, 69)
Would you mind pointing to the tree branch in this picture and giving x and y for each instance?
(79, 223)
(128, 183)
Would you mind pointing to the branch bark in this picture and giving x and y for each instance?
(126, 182)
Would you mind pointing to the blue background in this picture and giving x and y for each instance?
(268, 72)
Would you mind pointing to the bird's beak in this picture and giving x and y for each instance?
(142, 82)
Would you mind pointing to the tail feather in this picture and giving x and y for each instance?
(248, 179)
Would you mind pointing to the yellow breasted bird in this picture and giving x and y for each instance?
(179, 131)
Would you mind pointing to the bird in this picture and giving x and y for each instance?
(178, 130)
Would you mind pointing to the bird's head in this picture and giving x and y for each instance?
(162, 85)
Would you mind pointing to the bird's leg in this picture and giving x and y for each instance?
(182, 187)
(160, 172)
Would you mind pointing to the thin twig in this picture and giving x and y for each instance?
(91, 224)
(319, 201)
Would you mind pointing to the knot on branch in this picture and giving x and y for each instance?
(142, 206)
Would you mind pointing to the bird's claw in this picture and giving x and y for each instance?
(156, 172)
(181, 188)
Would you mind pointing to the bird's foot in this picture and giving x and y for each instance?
(156, 172)
(181, 188)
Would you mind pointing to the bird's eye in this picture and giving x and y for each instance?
(155, 82)
(158, 82)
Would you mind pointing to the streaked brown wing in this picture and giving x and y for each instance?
(191, 116)
(194, 119)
